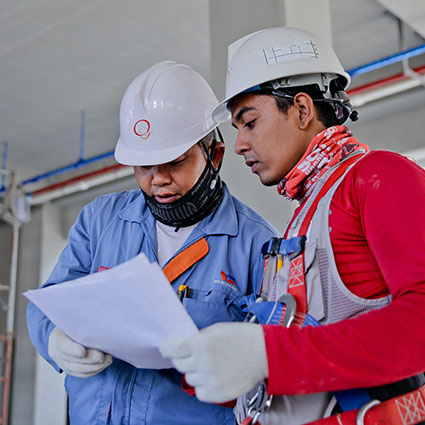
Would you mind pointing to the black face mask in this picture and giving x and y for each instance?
(204, 197)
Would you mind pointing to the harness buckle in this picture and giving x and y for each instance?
(290, 248)
(271, 247)
(300, 240)
(364, 409)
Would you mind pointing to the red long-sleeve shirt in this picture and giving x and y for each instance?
(378, 239)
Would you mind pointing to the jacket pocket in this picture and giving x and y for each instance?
(217, 304)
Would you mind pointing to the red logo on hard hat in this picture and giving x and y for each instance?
(142, 129)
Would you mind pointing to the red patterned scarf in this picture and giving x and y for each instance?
(326, 149)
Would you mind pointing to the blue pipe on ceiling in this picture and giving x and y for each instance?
(389, 60)
(80, 163)
(372, 66)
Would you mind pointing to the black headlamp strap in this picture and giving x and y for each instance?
(210, 157)
(342, 101)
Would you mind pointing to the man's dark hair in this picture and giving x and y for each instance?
(325, 111)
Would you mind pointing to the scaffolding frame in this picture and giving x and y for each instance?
(7, 335)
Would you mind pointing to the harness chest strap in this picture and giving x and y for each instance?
(297, 281)
(186, 259)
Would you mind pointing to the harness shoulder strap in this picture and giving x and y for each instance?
(187, 258)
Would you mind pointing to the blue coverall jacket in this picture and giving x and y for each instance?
(115, 228)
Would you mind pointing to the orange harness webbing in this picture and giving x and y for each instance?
(187, 258)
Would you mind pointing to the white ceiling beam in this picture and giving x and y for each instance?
(411, 12)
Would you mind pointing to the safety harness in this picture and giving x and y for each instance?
(291, 309)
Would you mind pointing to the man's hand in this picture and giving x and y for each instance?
(73, 358)
(222, 361)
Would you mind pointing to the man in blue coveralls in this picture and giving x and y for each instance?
(183, 214)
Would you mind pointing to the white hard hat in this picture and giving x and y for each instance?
(164, 112)
(296, 56)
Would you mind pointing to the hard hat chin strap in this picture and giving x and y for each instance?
(201, 200)
(191, 208)
(210, 156)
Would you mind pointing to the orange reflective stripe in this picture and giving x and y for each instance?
(187, 258)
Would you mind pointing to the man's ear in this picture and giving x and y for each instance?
(306, 112)
(220, 147)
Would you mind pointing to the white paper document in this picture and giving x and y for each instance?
(126, 311)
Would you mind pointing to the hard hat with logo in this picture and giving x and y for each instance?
(164, 112)
(293, 55)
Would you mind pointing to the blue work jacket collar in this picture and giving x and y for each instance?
(222, 221)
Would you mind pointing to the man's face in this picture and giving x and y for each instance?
(269, 140)
(169, 182)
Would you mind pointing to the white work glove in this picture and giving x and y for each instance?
(222, 361)
(73, 358)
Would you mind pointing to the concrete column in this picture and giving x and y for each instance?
(50, 402)
(230, 20)
(311, 15)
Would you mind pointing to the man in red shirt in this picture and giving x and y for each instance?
(353, 268)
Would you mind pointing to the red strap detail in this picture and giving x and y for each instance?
(328, 184)
(187, 258)
(297, 282)
(187, 388)
(192, 392)
(406, 409)
(101, 268)
(297, 288)
(248, 420)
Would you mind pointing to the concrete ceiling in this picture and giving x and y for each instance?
(61, 57)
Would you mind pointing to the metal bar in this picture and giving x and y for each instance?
(3, 177)
(102, 177)
(7, 379)
(75, 179)
(12, 284)
(384, 82)
(389, 60)
(76, 165)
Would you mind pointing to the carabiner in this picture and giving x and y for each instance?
(291, 309)
(364, 409)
